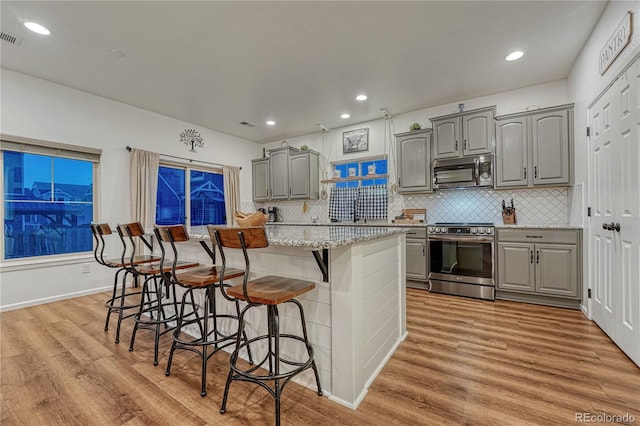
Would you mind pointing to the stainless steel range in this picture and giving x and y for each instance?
(461, 259)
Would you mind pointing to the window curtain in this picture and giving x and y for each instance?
(144, 186)
(231, 177)
(372, 202)
(342, 204)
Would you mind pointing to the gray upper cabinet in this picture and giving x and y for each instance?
(535, 148)
(446, 137)
(414, 161)
(464, 134)
(279, 173)
(303, 175)
(512, 147)
(550, 146)
(287, 173)
(261, 180)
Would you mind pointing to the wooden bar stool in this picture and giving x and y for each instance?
(269, 291)
(117, 303)
(206, 279)
(151, 309)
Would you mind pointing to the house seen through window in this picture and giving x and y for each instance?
(199, 192)
(48, 205)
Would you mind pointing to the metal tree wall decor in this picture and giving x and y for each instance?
(191, 137)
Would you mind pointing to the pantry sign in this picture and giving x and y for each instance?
(616, 43)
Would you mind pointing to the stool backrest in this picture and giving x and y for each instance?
(175, 233)
(250, 238)
(134, 232)
(170, 235)
(99, 230)
(238, 238)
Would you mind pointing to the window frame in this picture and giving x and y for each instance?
(187, 183)
(51, 149)
(360, 161)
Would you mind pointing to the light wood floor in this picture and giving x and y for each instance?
(464, 362)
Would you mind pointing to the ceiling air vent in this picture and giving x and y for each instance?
(10, 38)
(246, 123)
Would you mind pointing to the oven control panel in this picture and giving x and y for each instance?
(460, 230)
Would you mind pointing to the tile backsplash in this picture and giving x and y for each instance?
(533, 206)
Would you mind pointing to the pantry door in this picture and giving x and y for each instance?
(614, 229)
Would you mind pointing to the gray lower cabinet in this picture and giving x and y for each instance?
(535, 148)
(414, 161)
(287, 173)
(417, 269)
(261, 184)
(464, 134)
(548, 267)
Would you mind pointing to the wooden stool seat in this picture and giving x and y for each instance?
(138, 260)
(203, 277)
(271, 290)
(118, 302)
(151, 313)
(155, 268)
(214, 334)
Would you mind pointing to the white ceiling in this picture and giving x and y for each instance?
(216, 64)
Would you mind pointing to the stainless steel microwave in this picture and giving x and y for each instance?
(466, 172)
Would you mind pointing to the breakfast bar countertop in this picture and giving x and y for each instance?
(542, 226)
(316, 237)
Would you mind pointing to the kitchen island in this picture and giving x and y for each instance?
(356, 315)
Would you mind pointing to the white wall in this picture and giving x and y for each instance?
(584, 84)
(381, 133)
(39, 109)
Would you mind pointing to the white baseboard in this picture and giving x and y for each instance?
(44, 300)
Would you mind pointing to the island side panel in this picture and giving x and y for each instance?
(366, 298)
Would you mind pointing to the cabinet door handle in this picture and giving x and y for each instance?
(537, 256)
(525, 173)
(456, 146)
(535, 172)
(531, 256)
(465, 144)
(424, 250)
(534, 236)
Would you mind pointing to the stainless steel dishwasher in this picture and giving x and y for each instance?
(417, 258)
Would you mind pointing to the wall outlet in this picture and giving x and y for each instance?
(86, 268)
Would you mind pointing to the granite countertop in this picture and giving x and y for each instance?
(540, 226)
(351, 224)
(421, 225)
(315, 237)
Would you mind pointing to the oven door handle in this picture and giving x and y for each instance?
(462, 239)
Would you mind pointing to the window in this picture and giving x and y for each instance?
(47, 200)
(362, 168)
(204, 199)
(363, 195)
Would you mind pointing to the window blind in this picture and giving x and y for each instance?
(53, 149)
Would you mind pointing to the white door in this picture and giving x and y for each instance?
(628, 212)
(614, 196)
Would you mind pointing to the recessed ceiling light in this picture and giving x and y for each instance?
(37, 28)
(361, 98)
(514, 55)
(345, 115)
(271, 123)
